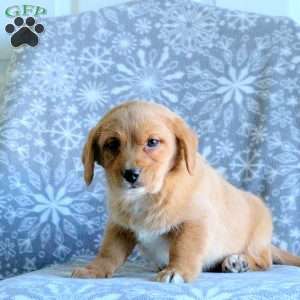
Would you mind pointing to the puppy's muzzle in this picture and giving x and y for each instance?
(131, 175)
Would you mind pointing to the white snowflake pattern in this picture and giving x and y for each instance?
(54, 75)
(283, 35)
(150, 8)
(96, 60)
(224, 86)
(289, 159)
(92, 95)
(224, 149)
(240, 20)
(281, 117)
(90, 119)
(245, 165)
(124, 43)
(258, 134)
(53, 204)
(84, 252)
(240, 95)
(38, 107)
(150, 76)
(236, 83)
(102, 33)
(10, 136)
(143, 26)
(188, 28)
(66, 134)
(7, 249)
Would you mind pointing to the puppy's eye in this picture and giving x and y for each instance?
(112, 145)
(152, 143)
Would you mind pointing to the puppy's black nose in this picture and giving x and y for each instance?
(131, 175)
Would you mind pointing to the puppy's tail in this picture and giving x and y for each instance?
(282, 257)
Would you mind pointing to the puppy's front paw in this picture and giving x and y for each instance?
(91, 272)
(169, 276)
(235, 263)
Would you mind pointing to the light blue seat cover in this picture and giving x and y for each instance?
(233, 76)
(135, 281)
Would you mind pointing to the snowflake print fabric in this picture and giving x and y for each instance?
(233, 76)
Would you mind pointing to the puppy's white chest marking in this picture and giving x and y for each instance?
(155, 246)
(152, 243)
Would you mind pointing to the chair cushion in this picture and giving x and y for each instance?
(135, 281)
(233, 76)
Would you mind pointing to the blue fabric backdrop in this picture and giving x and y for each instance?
(233, 76)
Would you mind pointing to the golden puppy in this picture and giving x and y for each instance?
(165, 197)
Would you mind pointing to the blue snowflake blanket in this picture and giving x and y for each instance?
(233, 76)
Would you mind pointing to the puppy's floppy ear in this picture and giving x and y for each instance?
(90, 154)
(188, 142)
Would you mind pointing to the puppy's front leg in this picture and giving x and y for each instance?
(117, 245)
(187, 247)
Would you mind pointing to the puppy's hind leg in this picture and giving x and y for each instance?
(258, 249)
(250, 261)
(257, 255)
(235, 263)
(259, 260)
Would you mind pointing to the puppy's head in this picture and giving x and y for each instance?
(139, 144)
